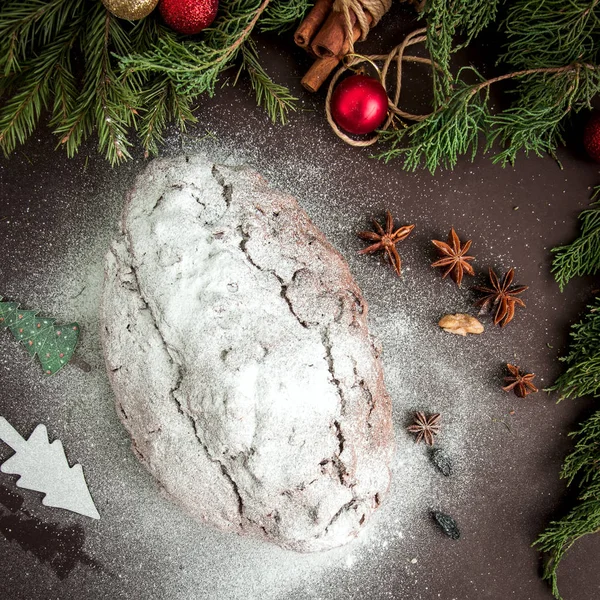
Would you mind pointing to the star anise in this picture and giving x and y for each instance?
(501, 296)
(454, 257)
(425, 426)
(386, 240)
(521, 383)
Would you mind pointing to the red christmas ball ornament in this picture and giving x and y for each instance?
(591, 137)
(188, 16)
(359, 104)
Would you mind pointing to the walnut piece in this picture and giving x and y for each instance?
(461, 324)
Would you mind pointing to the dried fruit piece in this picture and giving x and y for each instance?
(447, 524)
(461, 324)
(441, 461)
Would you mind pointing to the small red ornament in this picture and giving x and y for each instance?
(359, 104)
(591, 137)
(188, 16)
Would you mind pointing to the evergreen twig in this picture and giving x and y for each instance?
(532, 124)
(141, 76)
(444, 21)
(581, 378)
(551, 56)
(197, 66)
(135, 76)
(582, 256)
(274, 98)
(550, 33)
(583, 518)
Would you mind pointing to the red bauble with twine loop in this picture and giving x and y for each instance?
(591, 137)
(188, 16)
(397, 56)
(359, 104)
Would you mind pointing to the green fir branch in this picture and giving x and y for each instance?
(25, 27)
(107, 103)
(282, 15)
(450, 132)
(194, 68)
(161, 105)
(553, 73)
(20, 115)
(582, 376)
(582, 256)
(135, 76)
(156, 115)
(533, 124)
(274, 98)
(446, 19)
(551, 33)
(545, 99)
(583, 518)
(582, 463)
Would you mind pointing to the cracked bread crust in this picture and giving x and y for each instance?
(237, 346)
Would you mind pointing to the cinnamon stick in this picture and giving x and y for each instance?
(315, 18)
(319, 72)
(330, 39)
(322, 67)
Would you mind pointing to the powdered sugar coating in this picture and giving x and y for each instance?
(238, 349)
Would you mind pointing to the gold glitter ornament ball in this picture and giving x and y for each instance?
(130, 9)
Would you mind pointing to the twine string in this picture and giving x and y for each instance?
(360, 8)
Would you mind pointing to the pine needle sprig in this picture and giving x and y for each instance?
(551, 58)
(545, 98)
(274, 98)
(582, 256)
(107, 102)
(445, 20)
(551, 33)
(37, 82)
(161, 105)
(134, 76)
(582, 463)
(582, 376)
(157, 100)
(584, 518)
(282, 15)
(28, 26)
(533, 124)
(451, 131)
(195, 67)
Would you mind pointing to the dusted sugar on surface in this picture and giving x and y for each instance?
(237, 346)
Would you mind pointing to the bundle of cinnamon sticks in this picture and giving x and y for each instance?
(323, 34)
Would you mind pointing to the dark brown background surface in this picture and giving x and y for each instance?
(52, 207)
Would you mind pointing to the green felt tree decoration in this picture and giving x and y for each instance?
(581, 378)
(52, 344)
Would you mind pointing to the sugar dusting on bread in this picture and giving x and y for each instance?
(154, 546)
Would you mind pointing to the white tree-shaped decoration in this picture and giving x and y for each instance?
(43, 467)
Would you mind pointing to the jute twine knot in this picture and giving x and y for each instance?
(398, 55)
(360, 8)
